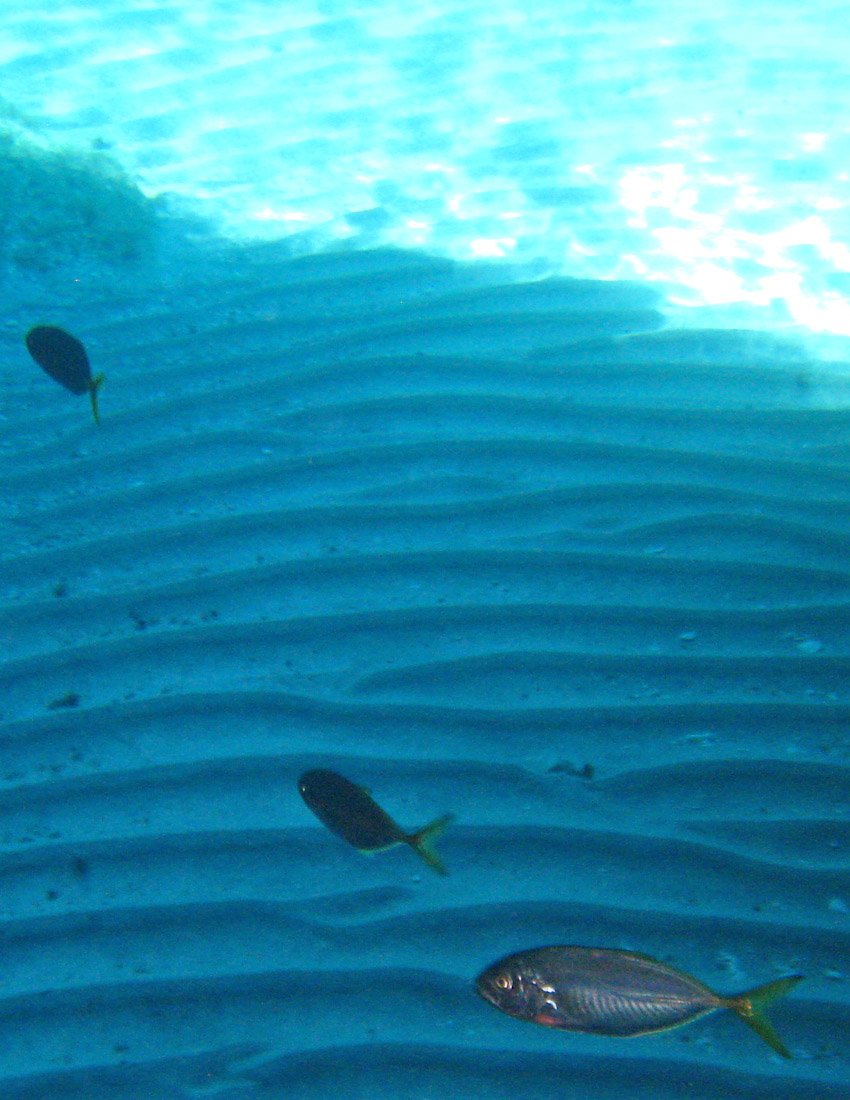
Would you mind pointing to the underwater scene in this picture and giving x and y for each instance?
(425, 559)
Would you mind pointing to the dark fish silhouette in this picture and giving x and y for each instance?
(65, 360)
(352, 813)
(609, 992)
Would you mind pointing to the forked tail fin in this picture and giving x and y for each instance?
(751, 1008)
(423, 839)
(94, 386)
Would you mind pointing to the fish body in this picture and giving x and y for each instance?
(64, 358)
(350, 812)
(621, 993)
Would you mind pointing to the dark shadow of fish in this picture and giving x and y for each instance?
(64, 358)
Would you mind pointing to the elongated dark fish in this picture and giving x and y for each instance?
(352, 813)
(65, 360)
(609, 992)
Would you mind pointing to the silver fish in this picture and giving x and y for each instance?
(608, 992)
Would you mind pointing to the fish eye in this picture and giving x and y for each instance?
(502, 981)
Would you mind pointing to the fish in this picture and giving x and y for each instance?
(604, 991)
(351, 813)
(64, 358)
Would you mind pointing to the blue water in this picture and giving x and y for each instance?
(469, 428)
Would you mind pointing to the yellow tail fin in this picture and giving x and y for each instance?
(423, 839)
(96, 383)
(751, 1008)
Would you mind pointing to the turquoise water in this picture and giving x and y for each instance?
(699, 147)
(474, 425)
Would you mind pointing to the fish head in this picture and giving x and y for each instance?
(511, 989)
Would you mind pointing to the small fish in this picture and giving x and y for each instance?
(352, 813)
(607, 992)
(65, 360)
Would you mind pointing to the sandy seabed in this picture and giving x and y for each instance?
(509, 549)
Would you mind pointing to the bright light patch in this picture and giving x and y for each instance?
(813, 143)
(637, 263)
(718, 257)
(493, 247)
(269, 215)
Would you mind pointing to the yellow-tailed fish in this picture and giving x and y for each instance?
(351, 813)
(64, 358)
(607, 992)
